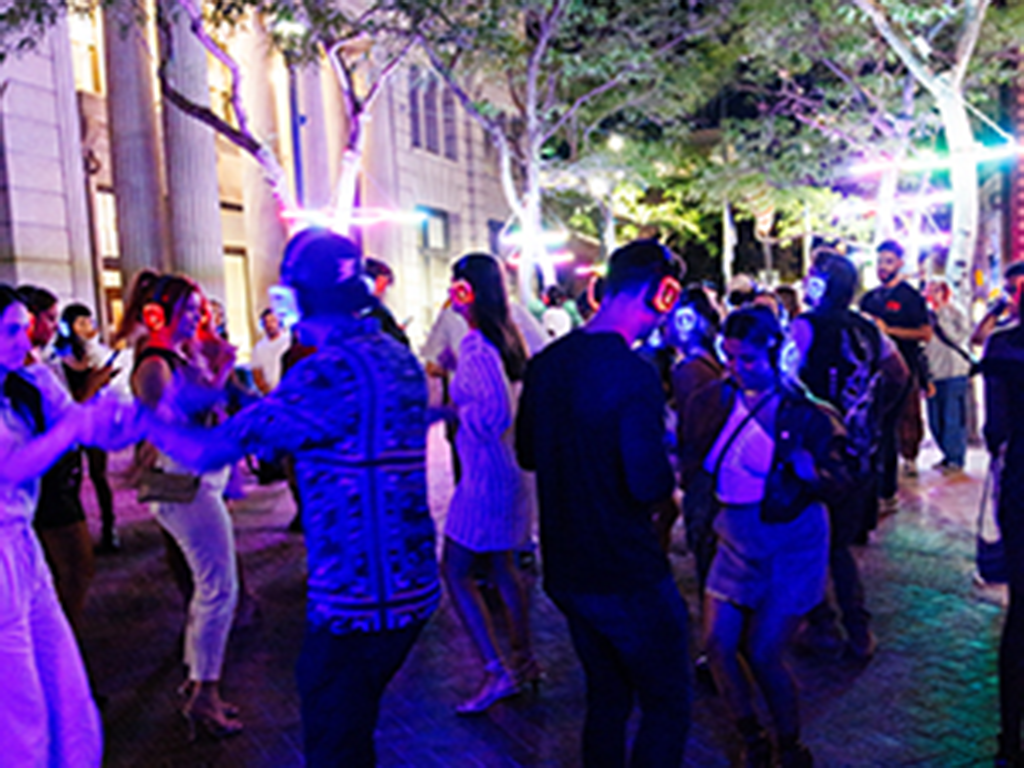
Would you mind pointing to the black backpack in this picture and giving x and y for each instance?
(842, 367)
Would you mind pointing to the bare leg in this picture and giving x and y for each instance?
(769, 634)
(469, 604)
(517, 605)
(724, 625)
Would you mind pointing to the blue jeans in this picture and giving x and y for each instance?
(947, 418)
(632, 643)
(341, 681)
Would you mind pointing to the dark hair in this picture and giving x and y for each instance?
(490, 309)
(1014, 271)
(36, 299)
(790, 299)
(67, 339)
(265, 312)
(639, 264)
(375, 268)
(757, 325)
(555, 296)
(841, 278)
(892, 246)
(694, 296)
(25, 398)
(325, 271)
(168, 291)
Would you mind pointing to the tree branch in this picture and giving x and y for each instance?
(900, 47)
(975, 11)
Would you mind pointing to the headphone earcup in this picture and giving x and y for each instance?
(153, 317)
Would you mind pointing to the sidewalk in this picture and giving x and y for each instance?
(928, 698)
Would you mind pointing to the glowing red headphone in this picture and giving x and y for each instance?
(665, 295)
(461, 293)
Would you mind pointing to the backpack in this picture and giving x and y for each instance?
(843, 369)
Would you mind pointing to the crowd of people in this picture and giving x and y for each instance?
(780, 428)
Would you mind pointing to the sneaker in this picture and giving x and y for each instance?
(796, 757)
(909, 468)
(951, 470)
(861, 643)
(825, 640)
(888, 506)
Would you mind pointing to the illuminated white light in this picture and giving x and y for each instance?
(598, 186)
(550, 238)
(930, 161)
(361, 217)
(616, 143)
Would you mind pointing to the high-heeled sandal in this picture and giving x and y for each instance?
(229, 709)
(529, 672)
(216, 728)
(498, 685)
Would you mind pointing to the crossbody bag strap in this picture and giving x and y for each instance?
(941, 334)
(732, 438)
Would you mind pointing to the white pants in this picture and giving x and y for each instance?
(204, 532)
(47, 714)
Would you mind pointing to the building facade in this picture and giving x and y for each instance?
(100, 176)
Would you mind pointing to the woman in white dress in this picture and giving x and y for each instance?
(47, 713)
(486, 523)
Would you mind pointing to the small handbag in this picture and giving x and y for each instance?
(171, 487)
(990, 556)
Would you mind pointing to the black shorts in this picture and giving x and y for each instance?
(60, 502)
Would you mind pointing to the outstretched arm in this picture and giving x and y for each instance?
(201, 449)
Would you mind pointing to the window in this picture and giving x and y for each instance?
(430, 127)
(414, 107)
(434, 231)
(451, 136)
(236, 300)
(494, 229)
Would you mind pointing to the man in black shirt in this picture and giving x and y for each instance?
(591, 423)
(901, 312)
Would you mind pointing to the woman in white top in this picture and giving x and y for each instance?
(47, 714)
(485, 521)
(174, 370)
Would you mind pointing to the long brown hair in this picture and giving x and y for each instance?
(490, 310)
(169, 292)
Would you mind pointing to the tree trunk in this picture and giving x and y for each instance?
(963, 175)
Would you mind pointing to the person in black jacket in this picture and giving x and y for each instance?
(774, 455)
(1003, 369)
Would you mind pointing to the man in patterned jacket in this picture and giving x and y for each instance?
(353, 415)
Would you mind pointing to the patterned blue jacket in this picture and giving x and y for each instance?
(353, 415)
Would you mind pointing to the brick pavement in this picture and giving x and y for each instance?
(928, 698)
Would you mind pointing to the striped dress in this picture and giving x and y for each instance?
(485, 514)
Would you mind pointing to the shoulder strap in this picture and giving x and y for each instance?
(735, 433)
(172, 359)
(941, 335)
(27, 401)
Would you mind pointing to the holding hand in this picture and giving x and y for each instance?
(109, 423)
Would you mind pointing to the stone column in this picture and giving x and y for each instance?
(265, 233)
(135, 151)
(197, 242)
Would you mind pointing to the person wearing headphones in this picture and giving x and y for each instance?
(353, 416)
(1003, 368)
(591, 424)
(774, 456)
(170, 308)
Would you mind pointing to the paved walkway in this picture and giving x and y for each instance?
(928, 698)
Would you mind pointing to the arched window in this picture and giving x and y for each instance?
(430, 126)
(451, 135)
